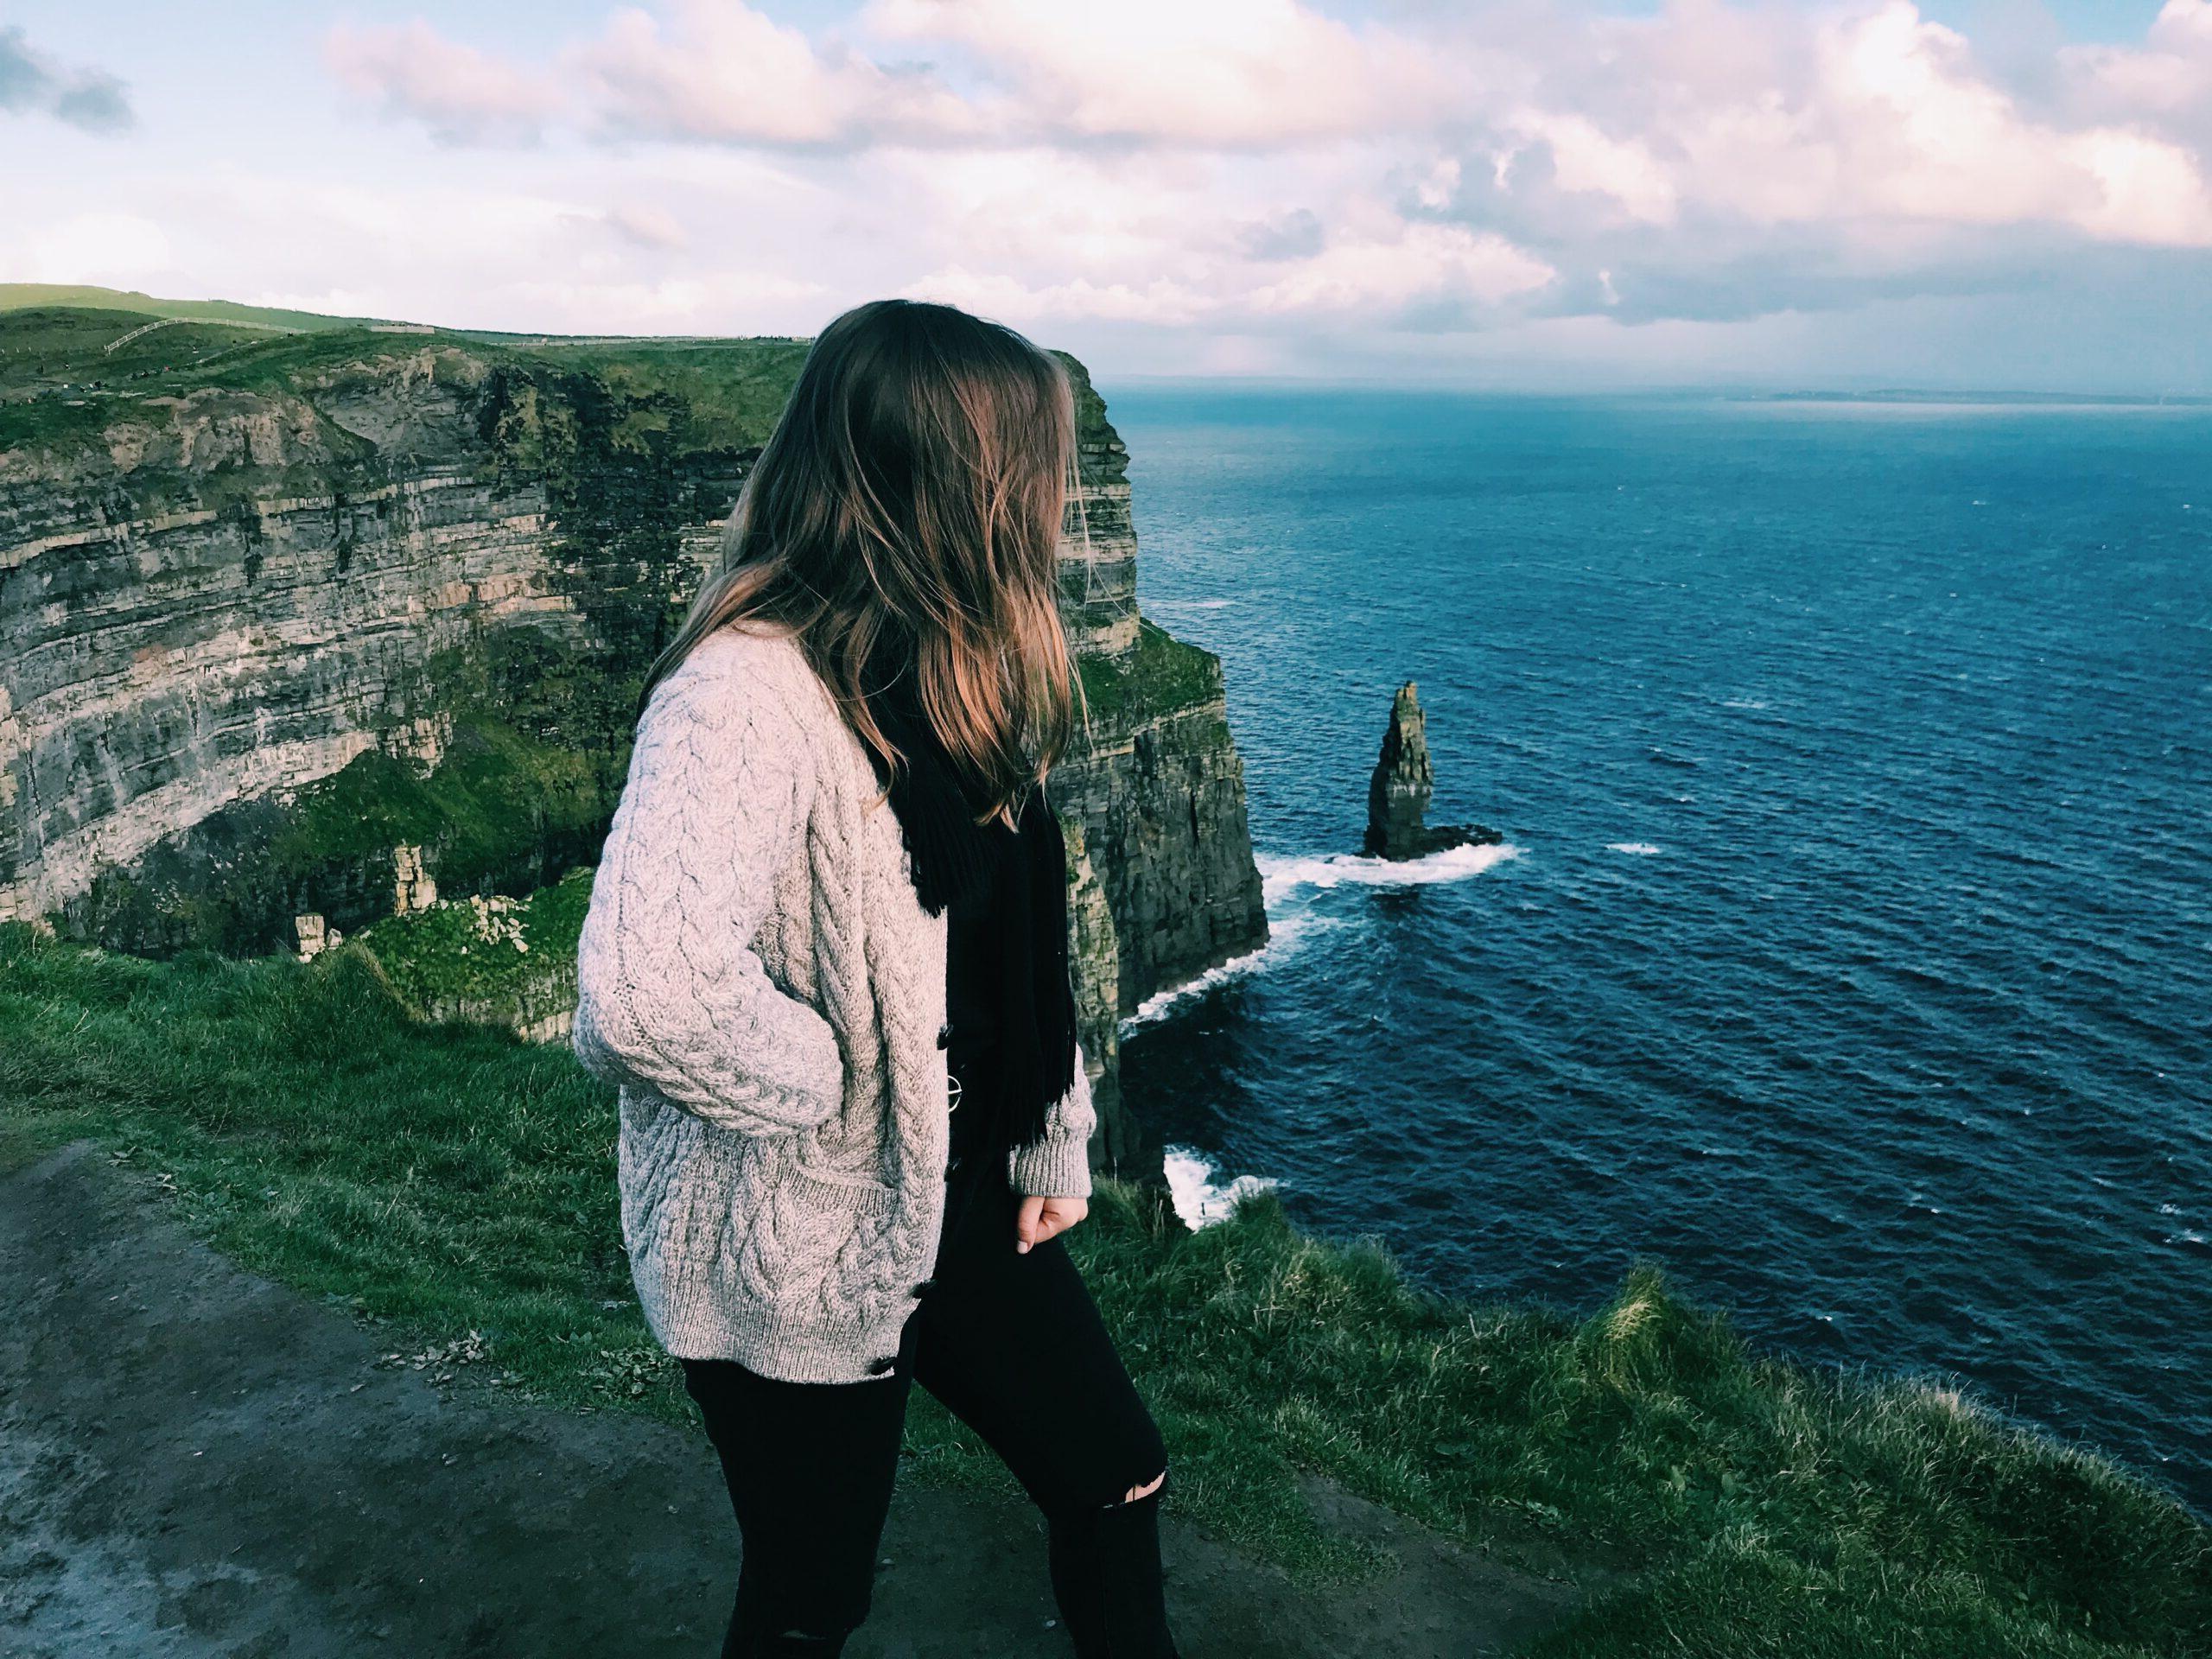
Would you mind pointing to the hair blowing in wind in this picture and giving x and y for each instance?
(908, 509)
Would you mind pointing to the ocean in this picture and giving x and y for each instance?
(1850, 951)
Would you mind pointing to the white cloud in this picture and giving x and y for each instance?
(717, 302)
(2170, 74)
(1224, 72)
(32, 83)
(646, 225)
(1428, 265)
(1162, 301)
(113, 250)
(1228, 72)
(1925, 137)
(1707, 116)
(460, 94)
(1163, 239)
(467, 254)
(724, 72)
(1585, 159)
(1171, 173)
(1867, 113)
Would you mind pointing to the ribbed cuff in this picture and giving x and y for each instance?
(1058, 1167)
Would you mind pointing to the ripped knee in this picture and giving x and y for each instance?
(1137, 1493)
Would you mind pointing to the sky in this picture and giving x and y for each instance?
(1999, 194)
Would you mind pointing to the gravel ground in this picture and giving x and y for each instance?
(194, 1461)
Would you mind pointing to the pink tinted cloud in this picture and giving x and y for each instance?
(463, 95)
(722, 72)
(1224, 74)
(1173, 162)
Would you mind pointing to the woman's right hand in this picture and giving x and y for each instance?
(1042, 1218)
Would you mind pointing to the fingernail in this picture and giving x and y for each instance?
(1020, 1247)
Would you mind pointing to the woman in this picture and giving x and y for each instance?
(826, 959)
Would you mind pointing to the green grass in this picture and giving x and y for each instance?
(48, 347)
(61, 386)
(451, 1180)
(722, 395)
(21, 297)
(735, 387)
(495, 797)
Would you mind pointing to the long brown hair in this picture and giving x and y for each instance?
(907, 509)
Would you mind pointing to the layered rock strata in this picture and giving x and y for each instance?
(265, 623)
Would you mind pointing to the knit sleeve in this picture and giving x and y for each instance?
(671, 994)
(1058, 1165)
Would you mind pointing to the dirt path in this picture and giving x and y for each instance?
(197, 1462)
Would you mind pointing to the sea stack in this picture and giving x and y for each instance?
(1398, 794)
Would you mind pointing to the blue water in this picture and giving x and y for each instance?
(1855, 962)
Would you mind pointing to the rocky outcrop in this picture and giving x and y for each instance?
(413, 888)
(496, 960)
(1398, 793)
(266, 623)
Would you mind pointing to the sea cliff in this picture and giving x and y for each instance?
(285, 613)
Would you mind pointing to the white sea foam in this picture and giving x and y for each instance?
(1634, 849)
(1198, 1198)
(1286, 886)
(1282, 936)
(1279, 877)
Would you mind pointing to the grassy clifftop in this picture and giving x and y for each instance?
(75, 361)
(26, 297)
(77, 380)
(453, 1181)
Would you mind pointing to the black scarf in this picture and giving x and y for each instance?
(1035, 1044)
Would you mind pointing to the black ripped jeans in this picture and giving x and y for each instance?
(1014, 1346)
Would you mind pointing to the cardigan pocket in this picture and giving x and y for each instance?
(865, 1186)
(818, 1239)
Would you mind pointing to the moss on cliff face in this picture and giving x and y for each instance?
(1163, 675)
(520, 792)
(499, 812)
(627, 467)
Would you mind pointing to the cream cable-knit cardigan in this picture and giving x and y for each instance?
(759, 976)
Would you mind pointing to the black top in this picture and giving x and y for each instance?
(970, 983)
(971, 996)
(1003, 888)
